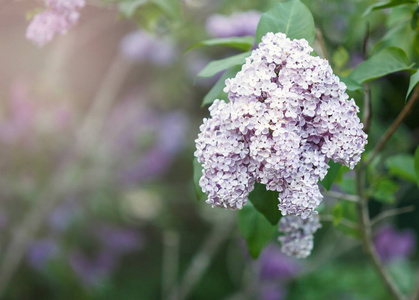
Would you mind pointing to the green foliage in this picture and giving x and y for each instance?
(128, 8)
(383, 190)
(337, 213)
(147, 12)
(197, 173)
(402, 166)
(404, 274)
(417, 165)
(292, 18)
(386, 4)
(351, 85)
(359, 280)
(216, 91)
(340, 58)
(243, 43)
(414, 79)
(171, 8)
(387, 61)
(217, 66)
(331, 175)
(266, 202)
(255, 229)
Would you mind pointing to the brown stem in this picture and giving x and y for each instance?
(320, 39)
(392, 212)
(365, 231)
(395, 125)
(367, 107)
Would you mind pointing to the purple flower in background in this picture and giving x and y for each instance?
(273, 265)
(41, 252)
(272, 293)
(91, 270)
(391, 244)
(120, 240)
(21, 114)
(142, 46)
(237, 24)
(60, 16)
(143, 142)
(61, 217)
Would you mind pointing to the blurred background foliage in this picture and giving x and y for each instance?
(104, 193)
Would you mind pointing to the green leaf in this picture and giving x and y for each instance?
(351, 85)
(340, 57)
(417, 165)
(243, 43)
(402, 166)
(292, 18)
(384, 191)
(255, 229)
(197, 173)
(171, 8)
(216, 91)
(388, 60)
(217, 66)
(337, 213)
(414, 79)
(386, 4)
(128, 8)
(331, 175)
(266, 202)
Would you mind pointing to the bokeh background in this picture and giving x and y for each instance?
(97, 134)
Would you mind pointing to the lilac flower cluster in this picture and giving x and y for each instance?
(288, 115)
(57, 19)
(238, 24)
(297, 238)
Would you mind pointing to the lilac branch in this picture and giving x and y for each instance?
(365, 231)
(387, 135)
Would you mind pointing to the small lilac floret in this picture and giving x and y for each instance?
(297, 238)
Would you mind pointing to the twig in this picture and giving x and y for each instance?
(367, 107)
(343, 221)
(202, 259)
(392, 212)
(338, 196)
(170, 262)
(395, 125)
(365, 231)
(415, 294)
(320, 38)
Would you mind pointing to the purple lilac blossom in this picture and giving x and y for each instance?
(26, 119)
(57, 19)
(41, 252)
(91, 270)
(273, 265)
(142, 46)
(391, 244)
(272, 292)
(297, 238)
(288, 115)
(62, 216)
(120, 240)
(237, 24)
(147, 139)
